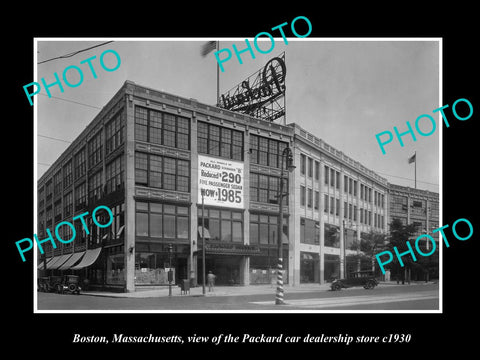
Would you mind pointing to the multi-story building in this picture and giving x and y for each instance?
(338, 204)
(148, 155)
(145, 156)
(414, 206)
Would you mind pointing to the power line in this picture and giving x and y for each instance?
(401, 177)
(72, 101)
(52, 138)
(73, 53)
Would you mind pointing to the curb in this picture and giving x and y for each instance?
(241, 291)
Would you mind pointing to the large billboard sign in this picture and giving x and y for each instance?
(261, 95)
(221, 181)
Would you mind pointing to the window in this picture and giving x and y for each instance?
(223, 225)
(57, 211)
(332, 205)
(80, 164)
(302, 195)
(162, 128)
(95, 152)
(141, 124)
(417, 204)
(310, 167)
(302, 164)
(114, 132)
(265, 151)
(309, 231)
(345, 210)
(350, 186)
(325, 203)
(80, 196)
(220, 141)
(337, 207)
(355, 184)
(317, 170)
(332, 177)
(317, 200)
(264, 229)
(326, 174)
(338, 179)
(114, 175)
(162, 172)
(67, 175)
(310, 198)
(345, 184)
(354, 213)
(163, 221)
(331, 236)
(95, 187)
(68, 204)
(350, 216)
(265, 188)
(57, 183)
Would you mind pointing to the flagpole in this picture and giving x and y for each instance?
(415, 169)
(218, 76)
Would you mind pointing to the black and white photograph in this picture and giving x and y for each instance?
(214, 182)
(184, 165)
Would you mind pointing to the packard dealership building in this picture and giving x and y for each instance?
(149, 156)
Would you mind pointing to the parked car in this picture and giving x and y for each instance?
(358, 278)
(50, 283)
(70, 284)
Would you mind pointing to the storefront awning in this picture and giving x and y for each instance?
(61, 260)
(41, 265)
(88, 259)
(70, 262)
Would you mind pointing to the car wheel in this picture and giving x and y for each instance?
(336, 287)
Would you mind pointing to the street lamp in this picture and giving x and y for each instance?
(287, 152)
(170, 272)
(203, 241)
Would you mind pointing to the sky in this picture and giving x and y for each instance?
(344, 91)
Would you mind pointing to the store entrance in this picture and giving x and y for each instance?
(225, 268)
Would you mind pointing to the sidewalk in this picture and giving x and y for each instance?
(228, 290)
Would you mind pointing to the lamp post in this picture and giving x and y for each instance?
(203, 241)
(287, 152)
(170, 272)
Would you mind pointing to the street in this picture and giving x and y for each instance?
(387, 297)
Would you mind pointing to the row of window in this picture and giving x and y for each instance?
(77, 167)
(265, 188)
(332, 206)
(264, 229)
(162, 221)
(267, 152)
(219, 141)
(162, 128)
(95, 235)
(162, 172)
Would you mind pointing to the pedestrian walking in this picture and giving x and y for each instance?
(211, 281)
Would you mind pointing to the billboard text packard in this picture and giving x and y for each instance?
(264, 97)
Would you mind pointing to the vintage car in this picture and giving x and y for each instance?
(49, 283)
(59, 284)
(358, 278)
(70, 284)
